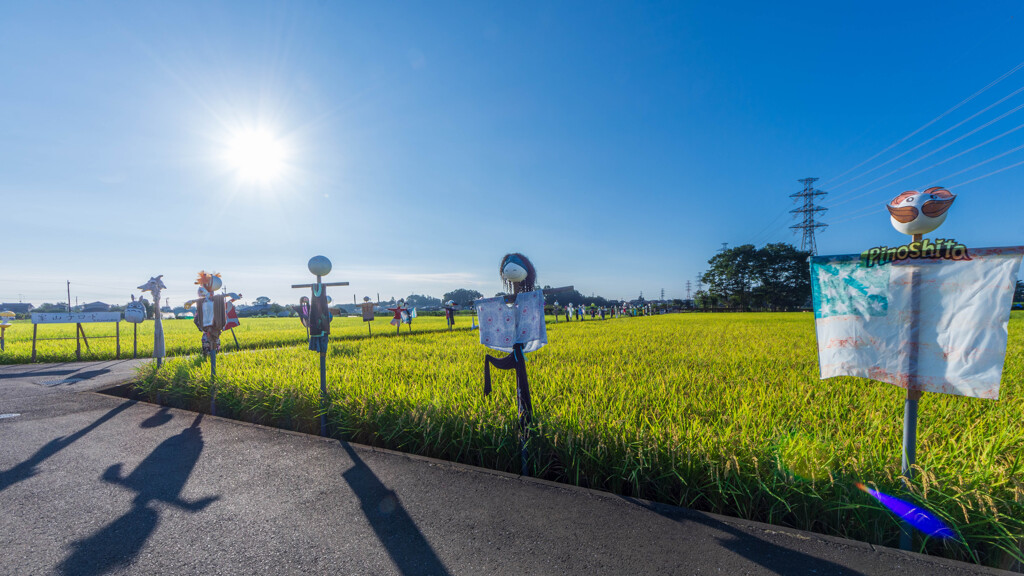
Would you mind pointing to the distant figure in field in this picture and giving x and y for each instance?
(593, 312)
(602, 312)
(568, 311)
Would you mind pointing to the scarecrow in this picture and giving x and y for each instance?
(214, 312)
(400, 311)
(515, 324)
(154, 287)
(449, 313)
(367, 309)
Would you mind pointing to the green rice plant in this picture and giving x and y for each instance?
(181, 337)
(717, 412)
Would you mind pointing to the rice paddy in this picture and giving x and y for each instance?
(716, 412)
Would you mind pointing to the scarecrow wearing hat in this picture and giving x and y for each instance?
(214, 312)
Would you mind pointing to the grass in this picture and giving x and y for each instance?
(181, 337)
(723, 413)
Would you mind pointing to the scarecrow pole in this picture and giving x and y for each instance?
(915, 213)
(912, 398)
(320, 266)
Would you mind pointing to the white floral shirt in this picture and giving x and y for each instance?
(503, 325)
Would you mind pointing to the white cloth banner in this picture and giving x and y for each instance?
(868, 320)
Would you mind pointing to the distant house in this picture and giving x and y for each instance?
(96, 307)
(17, 308)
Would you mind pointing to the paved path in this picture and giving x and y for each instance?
(92, 484)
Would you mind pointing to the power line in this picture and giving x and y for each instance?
(932, 121)
(939, 163)
(993, 173)
(940, 148)
(969, 168)
(933, 138)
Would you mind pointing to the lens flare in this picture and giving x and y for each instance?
(917, 517)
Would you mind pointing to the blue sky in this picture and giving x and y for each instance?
(616, 144)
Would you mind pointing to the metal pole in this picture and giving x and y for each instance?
(78, 342)
(213, 382)
(911, 401)
(323, 393)
(237, 346)
(135, 340)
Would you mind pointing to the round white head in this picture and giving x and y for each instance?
(914, 212)
(319, 265)
(215, 283)
(513, 272)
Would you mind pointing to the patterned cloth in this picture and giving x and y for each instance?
(502, 325)
(931, 325)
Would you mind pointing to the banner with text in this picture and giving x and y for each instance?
(868, 319)
(74, 318)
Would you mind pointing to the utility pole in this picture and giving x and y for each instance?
(69, 296)
(810, 212)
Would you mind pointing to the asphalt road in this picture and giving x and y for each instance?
(93, 484)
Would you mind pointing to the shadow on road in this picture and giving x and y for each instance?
(27, 469)
(159, 478)
(395, 529)
(163, 416)
(778, 559)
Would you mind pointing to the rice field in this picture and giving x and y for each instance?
(716, 412)
(56, 342)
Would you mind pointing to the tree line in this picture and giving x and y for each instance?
(775, 278)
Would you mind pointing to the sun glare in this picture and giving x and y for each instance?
(257, 156)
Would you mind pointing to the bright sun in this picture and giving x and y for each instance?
(257, 156)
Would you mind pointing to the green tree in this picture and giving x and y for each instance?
(775, 277)
(462, 296)
(782, 276)
(1018, 293)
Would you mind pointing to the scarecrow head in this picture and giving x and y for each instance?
(155, 284)
(210, 281)
(366, 298)
(518, 273)
(914, 212)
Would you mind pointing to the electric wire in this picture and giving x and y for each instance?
(983, 162)
(932, 139)
(930, 122)
(993, 173)
(939, 163)
(944, 146)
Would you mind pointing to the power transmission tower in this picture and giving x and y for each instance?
(725, 247)
(810, 212)
(688, 297)
(662, 293)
